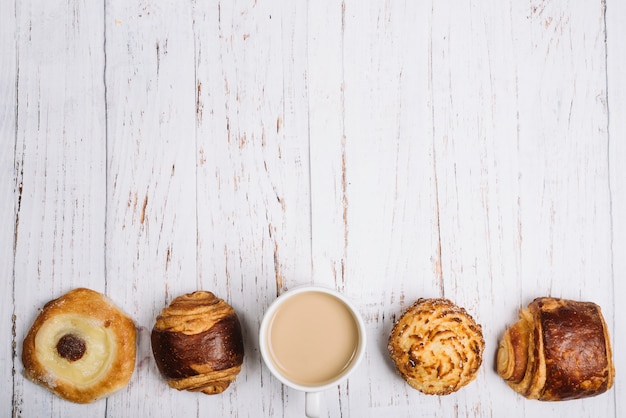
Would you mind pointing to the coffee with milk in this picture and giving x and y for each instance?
(312, 338)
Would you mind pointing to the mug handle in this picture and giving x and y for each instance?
(312, 403)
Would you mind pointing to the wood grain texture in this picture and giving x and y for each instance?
(151, 190)
(252, 152)
(8, 202)
(389, 150)
(616, 154)
(59, 192)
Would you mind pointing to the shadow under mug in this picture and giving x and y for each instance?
(305, 328)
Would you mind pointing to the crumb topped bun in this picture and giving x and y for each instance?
(436, 346)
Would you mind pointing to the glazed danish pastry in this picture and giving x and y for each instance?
(81, 347)
(558, 350)
(436, 346)
(197, 343)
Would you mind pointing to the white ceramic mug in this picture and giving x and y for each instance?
(311, 338)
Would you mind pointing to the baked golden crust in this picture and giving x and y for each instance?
(81, 347)
(436, 346)
(560, 350)
(197, 343)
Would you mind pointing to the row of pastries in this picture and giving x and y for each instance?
(82, 347)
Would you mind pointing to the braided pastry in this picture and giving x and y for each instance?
(197, 343)
(558, 350)
(436, 346)
(80, 347)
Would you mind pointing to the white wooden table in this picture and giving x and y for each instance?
(391, 150)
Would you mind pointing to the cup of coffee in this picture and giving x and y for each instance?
(311, 338)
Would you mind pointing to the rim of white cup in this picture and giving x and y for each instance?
(269, 313)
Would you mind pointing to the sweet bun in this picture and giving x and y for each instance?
(436, 346)
(80, 347)
(197, 343)
(558, 350)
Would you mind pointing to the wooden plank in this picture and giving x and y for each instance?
(490, 136)
(8, 202)
(328, 165)
(374, 218)
(253, 197)
(568, 248)
(522, 164)
(616, 151)
(151, 189)
(59, 171)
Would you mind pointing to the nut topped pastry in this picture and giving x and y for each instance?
(436, 346)
(80, 347)
(558, 350)
(197, 343)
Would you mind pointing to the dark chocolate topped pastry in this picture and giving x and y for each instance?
(197, 343)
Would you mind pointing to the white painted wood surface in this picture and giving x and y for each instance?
(391, 150)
